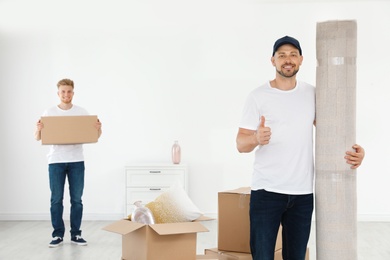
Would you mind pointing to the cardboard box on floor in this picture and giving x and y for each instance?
(233, 221)
(170, 241)
(208, 257)
(224, 255)
(69, 129)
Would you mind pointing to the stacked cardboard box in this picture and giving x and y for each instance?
(233, 221)
(233, 227)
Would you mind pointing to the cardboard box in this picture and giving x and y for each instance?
(208, 257)
(233, 221)
(226, 255)
(170, 241)
(278, 255)
(69, 129)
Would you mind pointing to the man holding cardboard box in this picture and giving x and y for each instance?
(66, 161)
(282, 182)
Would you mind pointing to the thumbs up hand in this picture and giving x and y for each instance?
(263, 134)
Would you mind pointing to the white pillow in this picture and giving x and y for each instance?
(174, 205)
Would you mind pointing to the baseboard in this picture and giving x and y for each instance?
(43, 217)
(116, 216)
(369, 217)
(373, 218)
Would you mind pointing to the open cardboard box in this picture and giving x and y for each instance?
(169, 241)
(233, 221)
(69, 129)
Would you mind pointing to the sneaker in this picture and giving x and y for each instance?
(56, 242)
(78, 240)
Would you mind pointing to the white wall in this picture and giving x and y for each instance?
(158, 71)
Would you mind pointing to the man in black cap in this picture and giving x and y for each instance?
(282, 181)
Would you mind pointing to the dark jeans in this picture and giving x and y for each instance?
(267, 211)
(57, 175)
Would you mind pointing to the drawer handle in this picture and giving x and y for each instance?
(155, 189)
(154, 171)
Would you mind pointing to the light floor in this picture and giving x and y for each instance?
(24, 240)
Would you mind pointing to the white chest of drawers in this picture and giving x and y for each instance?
(144, 182)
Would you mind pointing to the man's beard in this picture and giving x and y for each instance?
(66, 101)
(287, 75)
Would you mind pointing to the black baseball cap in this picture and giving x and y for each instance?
(287, 40)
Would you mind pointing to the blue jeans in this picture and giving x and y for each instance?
(267, 211)
(57, 175)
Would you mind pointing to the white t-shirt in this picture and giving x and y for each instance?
(65, 152)
(285, 165)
